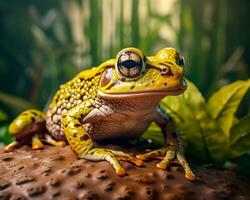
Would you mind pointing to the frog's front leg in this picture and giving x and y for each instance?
(173, 151)
(80, 141)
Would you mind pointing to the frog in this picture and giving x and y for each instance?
(117, 100)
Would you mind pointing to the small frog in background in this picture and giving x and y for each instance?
(116, 100)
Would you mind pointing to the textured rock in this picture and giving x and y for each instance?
(56, 173)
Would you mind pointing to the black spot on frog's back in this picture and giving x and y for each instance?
(34, 113)
(77, 125)
(84, 137)
(32, 119)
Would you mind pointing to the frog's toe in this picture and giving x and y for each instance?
(138, 162)
(141, 157)
(48, 139)
(60, 143)
(132, 160)
(113, 157)
(188, 172)
(156, 154)
(15, 145)
(167, 160)
(120, 155)
(190, 176)
(176, 156)
(10, 147)
(162, 165)
(36, 142)
(121, 171)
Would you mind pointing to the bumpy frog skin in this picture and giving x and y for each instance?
(116, 100)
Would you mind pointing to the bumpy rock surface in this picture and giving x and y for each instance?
(56, 173)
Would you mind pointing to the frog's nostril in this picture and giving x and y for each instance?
(165, 71)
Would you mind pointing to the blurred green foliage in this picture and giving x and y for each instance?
(5, 138)
(45, 43)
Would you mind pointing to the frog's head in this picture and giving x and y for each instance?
(133, 74)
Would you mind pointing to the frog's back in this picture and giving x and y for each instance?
(81, 88)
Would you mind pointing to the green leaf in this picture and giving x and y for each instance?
(223, 104)
(240, 137)
(240, 129)
(154, 133)
(241, 147)
(17, 103)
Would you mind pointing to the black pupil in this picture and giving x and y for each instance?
(130, 64)
(181, 62)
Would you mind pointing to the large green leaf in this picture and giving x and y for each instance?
(240, 129)
(198, 130)
(223, 104)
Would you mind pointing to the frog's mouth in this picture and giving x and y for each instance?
(142, 93)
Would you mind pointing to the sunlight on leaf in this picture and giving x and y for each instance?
(223, 104)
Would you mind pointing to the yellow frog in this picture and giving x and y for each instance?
(116, 100)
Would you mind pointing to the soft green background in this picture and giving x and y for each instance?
(45, 43)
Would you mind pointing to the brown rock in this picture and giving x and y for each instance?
(24, 179)
(56, 173)
(4, 184)
(36, 190)
(5, 195)
(146, 179)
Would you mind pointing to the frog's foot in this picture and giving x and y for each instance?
(15, 145)
(159, 154)
(100, 154)
(127, 157)
(24, 129)
(169, 156)
(48, 139)
(37, 143)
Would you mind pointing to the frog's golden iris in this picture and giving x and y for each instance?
(130, 63)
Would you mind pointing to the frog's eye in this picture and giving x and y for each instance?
(129, 64)
(180, 61)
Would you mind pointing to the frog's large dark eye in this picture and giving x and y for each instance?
(129, 64)
(180, 61)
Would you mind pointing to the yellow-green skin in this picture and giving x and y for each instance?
(100, 104)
